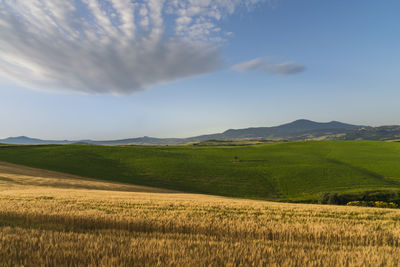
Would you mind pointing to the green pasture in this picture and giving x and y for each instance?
(289, 171)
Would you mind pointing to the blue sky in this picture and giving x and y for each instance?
(215, 65)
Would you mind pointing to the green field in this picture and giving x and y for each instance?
(291, 171)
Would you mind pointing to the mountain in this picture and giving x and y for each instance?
(140, 141)
(297, 130)
(24, 140)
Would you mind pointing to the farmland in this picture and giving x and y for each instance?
(53, 219)
(292, 171)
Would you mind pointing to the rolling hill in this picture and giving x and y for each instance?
(24, 140)
(294, 131)
(383, 133)
(295, 171)
(300, 129)
(297, 130)
(54, 219)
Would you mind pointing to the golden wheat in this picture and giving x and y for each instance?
(51, 226)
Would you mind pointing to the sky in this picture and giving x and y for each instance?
(111, 69)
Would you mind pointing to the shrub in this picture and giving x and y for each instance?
(378, 204)
(334, 199)
(382, 199)
(382, 204)
(323, 199)
(355, 203)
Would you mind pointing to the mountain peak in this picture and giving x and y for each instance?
(19, 137)
(301, 121)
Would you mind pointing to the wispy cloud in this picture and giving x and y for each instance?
(110, 46)
(260, 64)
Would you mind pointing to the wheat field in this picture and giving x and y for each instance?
(53, 219)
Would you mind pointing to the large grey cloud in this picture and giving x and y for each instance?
(259, 64)
(110, 46)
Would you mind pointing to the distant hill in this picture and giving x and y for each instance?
(141, 141)
(383, 133)
(24, 140)
(297, 130)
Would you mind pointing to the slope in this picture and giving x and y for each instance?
(281, 171)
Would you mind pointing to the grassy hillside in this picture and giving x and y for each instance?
(280, 171)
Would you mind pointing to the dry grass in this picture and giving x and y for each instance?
(52, 226)
(17, 176)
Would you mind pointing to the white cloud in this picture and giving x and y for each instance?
(110, 46)
(250, 65)
(260, 64)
